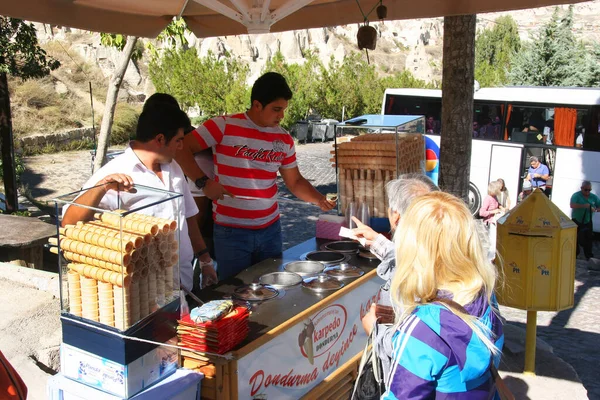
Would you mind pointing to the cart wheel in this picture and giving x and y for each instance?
(474, 199)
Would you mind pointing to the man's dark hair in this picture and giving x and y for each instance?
(161, 98)
(164, 98)
(270, 87)
(160, 118)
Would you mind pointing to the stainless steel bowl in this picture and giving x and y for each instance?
(280, 280)
(343, 246)
(326, 257)
(304, 268)
(322, 283)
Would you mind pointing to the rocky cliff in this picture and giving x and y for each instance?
(415, 45)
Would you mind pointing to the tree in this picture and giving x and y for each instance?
(494, 50)
(127, 45)
(111, 99)
(302, 80)
(20, 56)
(457, 104)
(217, 85)
(554, 57)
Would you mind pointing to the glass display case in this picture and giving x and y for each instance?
(371, 150)
(119, 261)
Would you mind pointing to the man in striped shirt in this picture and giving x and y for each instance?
(248, 151)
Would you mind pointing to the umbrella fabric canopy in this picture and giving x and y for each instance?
(207, 18)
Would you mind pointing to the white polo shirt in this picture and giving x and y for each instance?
(128, 163)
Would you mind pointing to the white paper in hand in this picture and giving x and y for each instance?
(347, 233)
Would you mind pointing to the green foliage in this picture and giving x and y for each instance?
(124, 124)
(119, 41)
(19, 167)
(20, 54)
(555, 57)
(173, 34)
(302, 79)
(217, 85)
(494, 50)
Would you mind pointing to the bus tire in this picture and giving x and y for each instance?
(474, 199)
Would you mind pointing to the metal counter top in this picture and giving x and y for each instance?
(269, 314)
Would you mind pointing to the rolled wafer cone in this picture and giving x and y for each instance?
(122, 314)
(110, 230)
(97, 239)
(103, 275)
(74, 288)
(144, 308)
(128, 223)
(79, 258)
(112, 256)
(135, 301)
(105, 295)
(167, 224)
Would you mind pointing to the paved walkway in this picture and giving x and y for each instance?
(574, 335)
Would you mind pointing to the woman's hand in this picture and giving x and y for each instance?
(364, 231)
(369, 319)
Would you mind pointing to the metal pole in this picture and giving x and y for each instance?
(530, 343)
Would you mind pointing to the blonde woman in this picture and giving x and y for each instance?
(448, 330)
(490, 211)
(504, 196)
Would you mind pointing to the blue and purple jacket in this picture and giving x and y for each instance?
(438, 356)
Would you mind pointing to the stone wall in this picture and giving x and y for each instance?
(40, 140)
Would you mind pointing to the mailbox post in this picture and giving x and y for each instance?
(537, 245)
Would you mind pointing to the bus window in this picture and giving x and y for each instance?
(487, 121)
(531, 124)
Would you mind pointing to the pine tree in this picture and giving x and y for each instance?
(554, 57)
(494, 50)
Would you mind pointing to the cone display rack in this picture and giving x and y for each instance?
(120, 268)
(366, 163)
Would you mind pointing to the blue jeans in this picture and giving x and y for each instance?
(237, 248)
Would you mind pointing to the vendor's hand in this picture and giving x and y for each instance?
(215, 191)
(209, 275)
(537, 176)
(326, 205)
(364, 231)
(117, 182)
(369, 319)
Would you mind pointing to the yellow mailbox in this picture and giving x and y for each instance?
(537, 244)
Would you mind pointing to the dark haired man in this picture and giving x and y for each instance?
(249, 148)
(149, 161)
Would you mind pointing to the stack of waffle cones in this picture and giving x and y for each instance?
(367, 162)
(121, 266)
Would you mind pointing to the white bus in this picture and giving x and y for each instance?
(511, 124)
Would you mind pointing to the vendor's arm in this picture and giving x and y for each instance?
(93, 196)
(302, 188)
(202, 138)
(209, 275)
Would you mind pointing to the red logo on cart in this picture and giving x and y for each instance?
(322, 332)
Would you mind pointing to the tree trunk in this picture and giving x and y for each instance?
(6, 144)
(457, 104)
(111, 103)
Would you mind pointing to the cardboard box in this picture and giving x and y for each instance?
(181, 385)
(123, 380)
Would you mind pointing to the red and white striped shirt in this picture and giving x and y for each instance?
(247, 158)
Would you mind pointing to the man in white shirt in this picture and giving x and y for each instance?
(149, 161)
